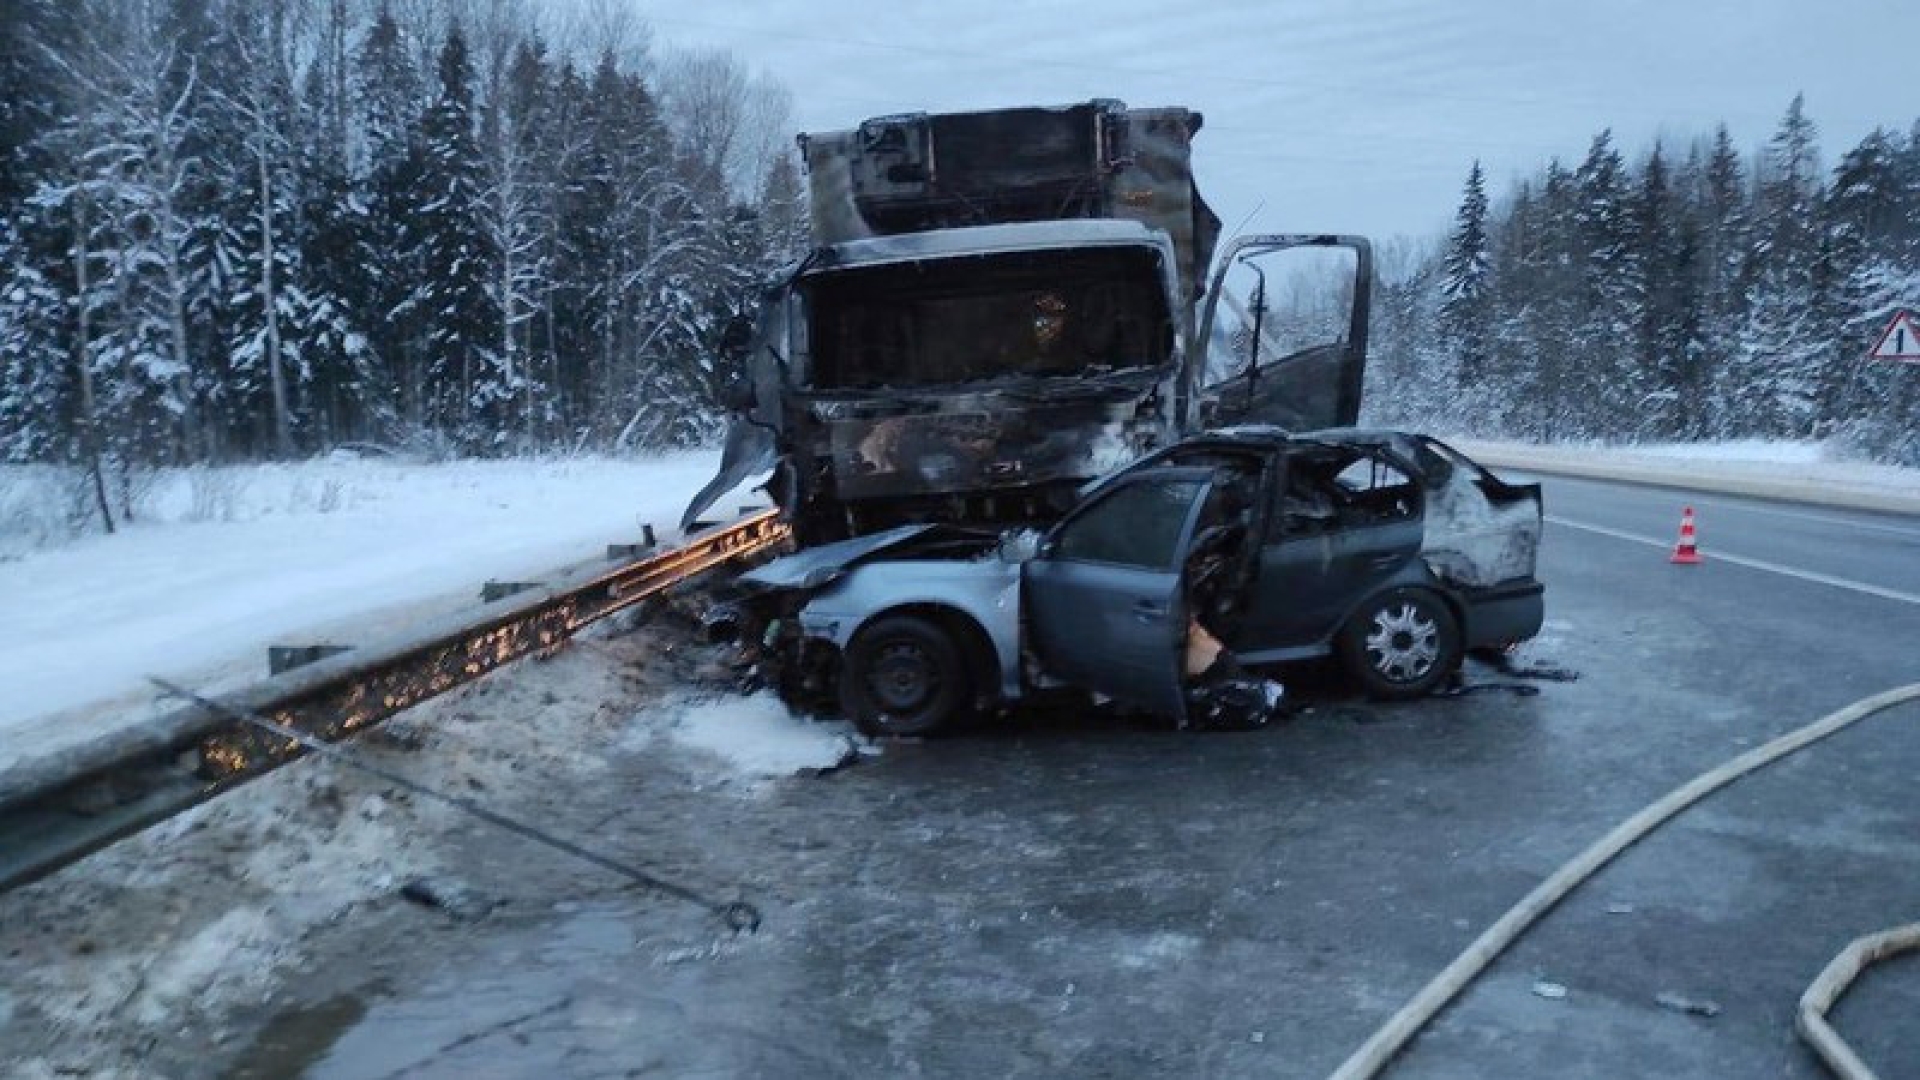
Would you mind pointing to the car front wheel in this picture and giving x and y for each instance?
(904, 675)
(1401, 644)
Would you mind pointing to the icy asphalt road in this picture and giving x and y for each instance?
(1073, 898)
(1877, 551)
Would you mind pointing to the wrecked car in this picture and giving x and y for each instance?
(1392, 552)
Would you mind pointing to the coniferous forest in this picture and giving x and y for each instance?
(243, 229)
(246, 229)
(1686, 294)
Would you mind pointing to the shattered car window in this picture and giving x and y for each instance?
(1138, 525)
(958, 320)
(1326, 491)
(1370, 474)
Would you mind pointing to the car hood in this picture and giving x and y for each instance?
(818, 565)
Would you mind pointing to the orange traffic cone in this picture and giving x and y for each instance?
(1686, 552)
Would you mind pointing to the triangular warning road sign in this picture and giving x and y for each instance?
(1900, 341)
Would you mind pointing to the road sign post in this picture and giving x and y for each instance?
(1900, 341)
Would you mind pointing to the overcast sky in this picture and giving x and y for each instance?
(1359, 116)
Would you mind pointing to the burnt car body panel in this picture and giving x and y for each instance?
(816, 566)
(1105, 599)
(1315, 526)
(1355, 512)
(985, 590)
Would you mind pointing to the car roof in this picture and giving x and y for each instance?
(1268, 436)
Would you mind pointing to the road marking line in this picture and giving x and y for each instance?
(1754, 564)
(1803, 516)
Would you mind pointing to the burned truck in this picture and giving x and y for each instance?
(1001, 306)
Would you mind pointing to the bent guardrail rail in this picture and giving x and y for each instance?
(61, 807)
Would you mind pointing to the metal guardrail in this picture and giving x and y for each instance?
(61, 809)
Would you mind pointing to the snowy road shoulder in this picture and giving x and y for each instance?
(182, 933)
(1797, 471)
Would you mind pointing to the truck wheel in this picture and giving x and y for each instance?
(1401, 644)
(904, 675)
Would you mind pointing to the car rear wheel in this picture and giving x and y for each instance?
(904, 675)
(1401, 644)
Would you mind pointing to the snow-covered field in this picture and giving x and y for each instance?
(221, 562)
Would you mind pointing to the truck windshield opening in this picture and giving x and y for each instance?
(960, 320)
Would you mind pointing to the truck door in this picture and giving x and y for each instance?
(754, 372)
(1301, 361)
(1105, 604)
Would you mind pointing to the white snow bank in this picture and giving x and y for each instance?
(1816, 472)
(220, 563)
(755, 736)
(1753, 451)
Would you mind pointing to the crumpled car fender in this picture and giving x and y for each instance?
(984, 590)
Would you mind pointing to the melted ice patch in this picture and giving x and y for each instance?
(757, 736)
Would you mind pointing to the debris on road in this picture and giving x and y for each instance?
(459, 902)
(1680, 1003)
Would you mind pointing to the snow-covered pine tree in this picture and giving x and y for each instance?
(387, 102)
(33, 35)
(1467, 284)
(268, 305)
(556, 339)
(135, 139)
(1869, 215)
(468, 390)
(35, 369)
(1410, 373)
(1554, 312)
(1778, 370)
(1668, 334)
(638, 231)
(1725, 203)
(784, 230)
(1610, 389)
(515, 205)
(347, 396)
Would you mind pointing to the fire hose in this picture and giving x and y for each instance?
(1373, 1056)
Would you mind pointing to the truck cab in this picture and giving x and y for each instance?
(1002, 306)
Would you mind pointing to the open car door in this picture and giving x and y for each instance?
(1273, 376)
(1106, 608)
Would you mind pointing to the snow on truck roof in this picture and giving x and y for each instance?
(992, 240)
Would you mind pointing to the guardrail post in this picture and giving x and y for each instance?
(495, 590)
(283, 658)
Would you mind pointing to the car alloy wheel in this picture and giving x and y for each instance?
(1403, 644)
